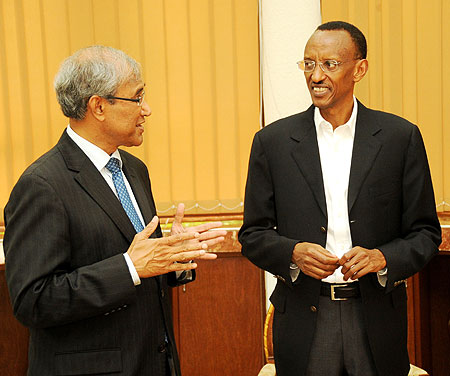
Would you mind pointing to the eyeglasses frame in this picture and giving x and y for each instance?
(321, 65)
(139, 100)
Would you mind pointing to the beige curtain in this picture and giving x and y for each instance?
(409, 46)
(201, 64)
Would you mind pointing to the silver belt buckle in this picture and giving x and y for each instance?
(333, 297)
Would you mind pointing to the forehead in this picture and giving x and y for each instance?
(131, 86)
(330, 44)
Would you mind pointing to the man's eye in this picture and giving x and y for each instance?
(330, 64)
(309, 64)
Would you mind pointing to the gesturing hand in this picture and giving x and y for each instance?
(314, 260)
(206, 237)
(155, 256)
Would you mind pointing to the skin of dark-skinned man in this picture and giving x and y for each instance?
(385, 219)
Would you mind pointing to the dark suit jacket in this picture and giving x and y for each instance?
(65, 236)
(391, 207)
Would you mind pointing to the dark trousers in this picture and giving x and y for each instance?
(340, 345)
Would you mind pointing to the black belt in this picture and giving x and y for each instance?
(340, 291)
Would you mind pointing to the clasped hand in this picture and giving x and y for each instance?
(319, 263)
(155, 256)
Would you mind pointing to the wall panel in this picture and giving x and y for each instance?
(408, 45)
(200, 62)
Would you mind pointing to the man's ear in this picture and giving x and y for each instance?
(96, 106)
(361, 69)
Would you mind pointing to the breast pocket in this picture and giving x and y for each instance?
(385, 191)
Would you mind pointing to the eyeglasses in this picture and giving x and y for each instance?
(327, 66)
(139, 100)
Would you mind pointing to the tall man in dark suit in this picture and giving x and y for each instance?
(85, 273)
(339, 206)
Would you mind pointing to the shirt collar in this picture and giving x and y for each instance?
(351, 123)
(97, 156)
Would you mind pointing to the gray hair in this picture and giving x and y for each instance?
(95, 70)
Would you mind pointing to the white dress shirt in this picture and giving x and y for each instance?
(100, 158)
(335, 149)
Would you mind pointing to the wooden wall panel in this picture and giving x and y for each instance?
(13, 336)
(220, 319)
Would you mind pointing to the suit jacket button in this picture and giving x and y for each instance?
(313, 308)
(162, 293)
(162, 348)
(323, 229)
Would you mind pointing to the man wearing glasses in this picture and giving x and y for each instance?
(339, 206)
(87, 269)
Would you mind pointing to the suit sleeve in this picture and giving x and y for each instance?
(421, 231)
(261, 243)
(44, 288)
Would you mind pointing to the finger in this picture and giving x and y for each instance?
(179, 215)
(149, 229)
(178, 266)
(206, 226)
(325, 257)
(215, 241)
(211, 235)
(353, 271)
(349, 258)
(317, 273)
(360, 273)
(208, 256)
(187, 256)
(177, 238)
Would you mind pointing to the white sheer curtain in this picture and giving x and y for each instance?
(285, 27)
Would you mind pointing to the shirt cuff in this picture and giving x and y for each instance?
(294, 271)
(187, 276)
(382, 276)
(132, 269)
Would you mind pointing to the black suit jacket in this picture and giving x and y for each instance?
(65, 236)
(391, 207)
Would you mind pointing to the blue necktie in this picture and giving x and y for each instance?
(114, 166)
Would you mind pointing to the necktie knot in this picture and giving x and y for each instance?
(113, 165)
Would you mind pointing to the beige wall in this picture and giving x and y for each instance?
(408, 48)
(201, 65)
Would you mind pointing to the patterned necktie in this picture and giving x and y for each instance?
(124, 197)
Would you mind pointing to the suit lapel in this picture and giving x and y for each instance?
(89, 178)
(365, 150)
(306, 155)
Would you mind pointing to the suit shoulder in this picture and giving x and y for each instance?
(46, 163)
(391, 121)
(285, 125)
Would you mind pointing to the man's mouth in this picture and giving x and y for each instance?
(319, 89)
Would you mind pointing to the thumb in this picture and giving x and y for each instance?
(150, 228)
(179, 215)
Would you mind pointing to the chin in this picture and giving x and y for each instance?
(321, 104)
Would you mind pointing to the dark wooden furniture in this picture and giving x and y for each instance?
(219, 318)
(429, 310)
(13, 336)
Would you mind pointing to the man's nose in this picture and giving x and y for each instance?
(145, 109)
(318, 74)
